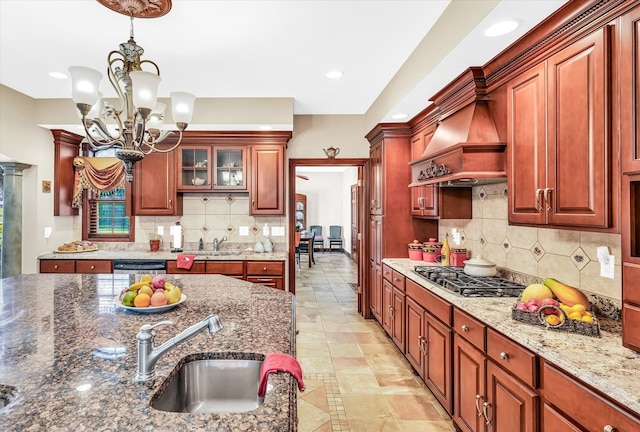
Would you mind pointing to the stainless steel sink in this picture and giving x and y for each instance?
(213, 254)
(211, 386)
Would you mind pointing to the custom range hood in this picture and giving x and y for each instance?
(465, 149)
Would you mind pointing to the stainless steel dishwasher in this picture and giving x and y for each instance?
(140, 266)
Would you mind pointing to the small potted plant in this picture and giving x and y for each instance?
(298, 232)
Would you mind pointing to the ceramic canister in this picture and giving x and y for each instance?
(458, 256)
(431, 251)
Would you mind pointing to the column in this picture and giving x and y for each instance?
(12, 219)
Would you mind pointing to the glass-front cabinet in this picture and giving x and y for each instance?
(230, 168)
(194, 168)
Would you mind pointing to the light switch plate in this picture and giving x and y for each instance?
(277, 231)
(243, 231)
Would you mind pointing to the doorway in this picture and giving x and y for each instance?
(356, 247)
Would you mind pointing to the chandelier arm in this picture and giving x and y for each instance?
(152, 144)
(153, 63)
(101, 129)
(114, 80)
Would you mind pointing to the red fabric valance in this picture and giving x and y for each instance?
(98, 174)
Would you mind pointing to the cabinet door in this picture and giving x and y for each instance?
(553, 421)
(267, 180)
(230, 168)
(375, 281)
(438, 361)
(414, 335)
(526, 140)
(510, 405)
(578, 146)
(424, 201)
(469, 371)
(377, 182)
(154, 191)
(194, 168)
(630, 96)
(397, 318)
(387, 305)
(376, 241)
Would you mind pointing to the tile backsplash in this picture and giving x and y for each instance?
(569, 256)
(208, 216)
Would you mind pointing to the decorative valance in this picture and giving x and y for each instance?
(98, 174)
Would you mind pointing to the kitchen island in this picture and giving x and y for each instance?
(71, 354)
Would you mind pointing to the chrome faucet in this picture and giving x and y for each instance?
(217, 243)
(148, 354)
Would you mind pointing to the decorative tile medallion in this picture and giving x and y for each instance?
(537, 251)
(230, 199)
(505, 193)
(204, 229)
(255, 229)
(229, 229)
(483, 241)
(482, 193)
(205, 200)
(506, 244)
(579, 258)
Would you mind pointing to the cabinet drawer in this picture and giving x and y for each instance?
(584, 405)
(275, 268)
(631, 320)
(387, 273)
(273, 282)
(93, 266)
(57, 266)
(196, 268)
(398, 280)
(630, 276)
(229, 268)
(512, 357)
(436, 306)
(469, 328)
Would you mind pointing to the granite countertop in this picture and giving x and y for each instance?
(60, 331)
(223, 255)
(601, 362)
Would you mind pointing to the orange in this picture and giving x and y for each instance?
(142, 300)
(158, 299)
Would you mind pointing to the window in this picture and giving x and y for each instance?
(106, 215)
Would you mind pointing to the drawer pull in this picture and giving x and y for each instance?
(93, 267)
(504, 356)
(478, 399)
(464, 328)
(55, 266)
(396, 280)
(264, 269)
(485, 409)
(609, 428)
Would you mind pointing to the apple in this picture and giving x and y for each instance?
(158, 281)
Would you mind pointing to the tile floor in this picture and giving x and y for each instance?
(356, 379)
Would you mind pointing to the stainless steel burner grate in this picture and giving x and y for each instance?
(454, 279)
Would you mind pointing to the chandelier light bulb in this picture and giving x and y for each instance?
(145, 89)
(155, 120)
(182, 107)
(85, 83)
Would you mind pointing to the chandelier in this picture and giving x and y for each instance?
(138, 119)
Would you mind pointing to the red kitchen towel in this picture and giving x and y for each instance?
(185, 261)
(279, 362)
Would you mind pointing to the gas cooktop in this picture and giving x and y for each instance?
(456, 280)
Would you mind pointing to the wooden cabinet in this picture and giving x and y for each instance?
(57, 266)
(441, 203)
(66, 146)
(233, 269)
(469, 372)
(629, 94)
(198, 267)
(230, 168)
(428, 341)
(377, 180)
(301, 211)
(393, 306)
(559, 150)
(375, 266)
(194, 168)
(268, 273)
(154, 192)
(567, 398)
(75, 266)
(510, 405)
(267, 180)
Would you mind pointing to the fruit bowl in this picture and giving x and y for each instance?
(562, 323)
(149, 309)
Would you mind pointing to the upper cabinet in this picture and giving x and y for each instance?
(630, 99)
(559, 149)
(230, 168)
(194, 168)
(267, 180)
(154, 192)
(301, 210)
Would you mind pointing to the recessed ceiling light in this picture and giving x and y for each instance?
(334, 74)
(58, 75)
(265, 127)
(502, 28)
(399, 116)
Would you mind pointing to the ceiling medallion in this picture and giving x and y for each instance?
(139, 8)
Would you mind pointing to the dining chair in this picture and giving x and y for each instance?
(318, 240)
(335, 237)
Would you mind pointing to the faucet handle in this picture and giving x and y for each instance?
(146, 328)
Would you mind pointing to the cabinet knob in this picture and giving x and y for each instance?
(504, 355)
(609, 428)
(264, 269)
(55, 266)
(464, 328)
(93, 267)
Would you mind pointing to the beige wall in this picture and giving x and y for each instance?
(568, 256)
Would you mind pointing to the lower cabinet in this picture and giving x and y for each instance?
(75, 266)
(198, 267)
(268, 273)
(234, 269)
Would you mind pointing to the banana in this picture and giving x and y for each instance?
(136, 286)
(566, 294)
(146, 278)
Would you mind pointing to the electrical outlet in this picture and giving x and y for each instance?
(608, 269)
